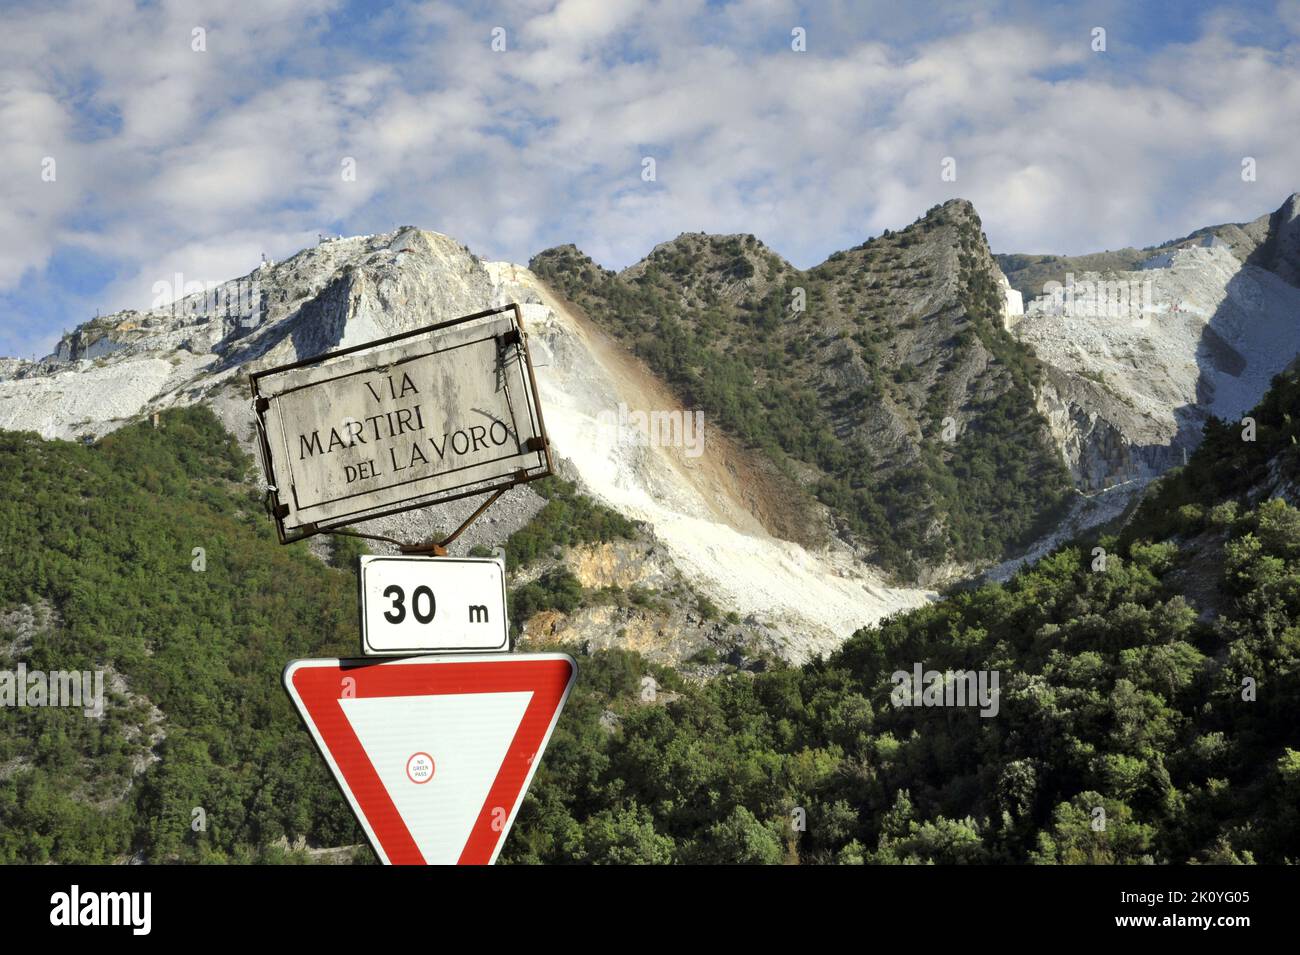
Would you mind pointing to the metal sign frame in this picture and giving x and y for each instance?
(539, 443)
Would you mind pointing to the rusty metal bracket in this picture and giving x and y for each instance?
(439, 548)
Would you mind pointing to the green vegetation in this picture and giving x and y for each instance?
(105, 534)
(566, 520)
(557, 589)
(1113, 696)
(1225, 467)
(1118, 703)
(766, 374)
(1117, 695)
(345, 549)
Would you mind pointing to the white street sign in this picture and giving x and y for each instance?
(420, 418)
(432, 605)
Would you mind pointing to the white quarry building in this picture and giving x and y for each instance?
(1013, 304)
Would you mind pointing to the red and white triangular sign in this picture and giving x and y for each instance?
(434, 753)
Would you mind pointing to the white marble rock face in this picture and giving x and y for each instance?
(1128, 390)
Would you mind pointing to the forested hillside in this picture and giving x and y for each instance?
(1156, 680)
(105, 536)
(882, 379)
(1160, 684)
(199, 756)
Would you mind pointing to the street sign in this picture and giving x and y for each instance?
(421, 418)
(434, 754)
(432, 605)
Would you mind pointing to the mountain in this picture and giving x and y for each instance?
(1147, 702)
(99, 573)
(891, 420)
(1149, 673)
(882, 381)
(1147, 705)
(720, 531)
(1271, 241)
(1141, 348)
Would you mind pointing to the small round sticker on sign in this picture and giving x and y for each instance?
(419, 768)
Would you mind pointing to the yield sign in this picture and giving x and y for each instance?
(434, 753)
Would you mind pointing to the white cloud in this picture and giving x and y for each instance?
(40, 176)
(167, 156)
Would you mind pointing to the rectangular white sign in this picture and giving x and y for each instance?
(424, 417)
(432, 605)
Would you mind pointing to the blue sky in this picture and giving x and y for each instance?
(169, 159)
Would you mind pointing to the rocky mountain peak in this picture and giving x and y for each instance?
(707, 269)
(887, 382)
(567, 258)
(849, 368)
(1284, 240)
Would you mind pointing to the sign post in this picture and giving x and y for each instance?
(433, 751)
